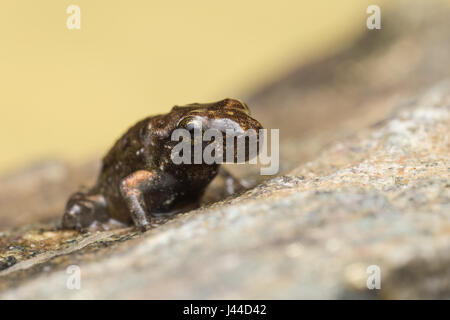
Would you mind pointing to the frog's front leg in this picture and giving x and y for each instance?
(133, 189)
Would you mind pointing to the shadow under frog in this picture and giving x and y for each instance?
(138, 178)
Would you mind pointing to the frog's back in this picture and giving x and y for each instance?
(124, 149)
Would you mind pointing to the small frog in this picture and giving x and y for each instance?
(138, 178)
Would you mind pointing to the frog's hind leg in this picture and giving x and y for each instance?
(85, 211)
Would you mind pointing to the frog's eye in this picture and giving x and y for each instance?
(194, 125)
(191, 124)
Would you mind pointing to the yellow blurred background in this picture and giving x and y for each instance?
(71, 93)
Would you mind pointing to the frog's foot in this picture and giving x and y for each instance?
(111, 224)
(84, 211)
(232, 184)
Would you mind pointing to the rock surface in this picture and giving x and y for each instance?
(379, 196)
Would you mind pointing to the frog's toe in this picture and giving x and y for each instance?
(144, 227)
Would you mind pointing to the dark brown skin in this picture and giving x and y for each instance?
(138, 178)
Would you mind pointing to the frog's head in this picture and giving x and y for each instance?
(230, 118)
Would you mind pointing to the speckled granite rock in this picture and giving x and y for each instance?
(381, 197)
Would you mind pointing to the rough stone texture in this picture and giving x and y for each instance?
(381, 197)
(376, 190)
